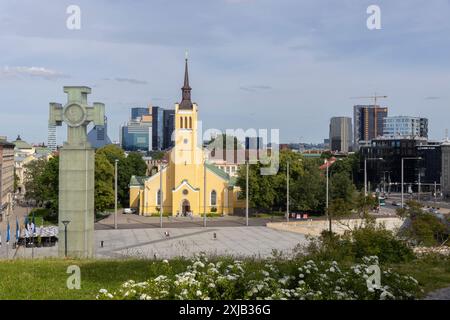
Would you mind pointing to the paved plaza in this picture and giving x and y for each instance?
(181, 242)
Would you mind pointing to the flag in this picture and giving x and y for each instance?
(8, 233)
(17, 229)
(26, 221)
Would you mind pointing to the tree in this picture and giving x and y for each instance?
(32, 171)
(16, 180)
(423, 227)
(261, 191)
(341, 187)
(42, 181)
(307, 189)
(127, 167)
(104, 180)
(338, 208)
(308, 192)
(49, 182)
(363, 205)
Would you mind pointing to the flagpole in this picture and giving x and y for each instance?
(7, 237)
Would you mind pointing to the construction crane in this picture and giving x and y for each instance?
(375, 97)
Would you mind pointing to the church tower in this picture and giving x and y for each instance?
(187, 154)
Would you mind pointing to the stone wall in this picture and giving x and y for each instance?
(315, 227)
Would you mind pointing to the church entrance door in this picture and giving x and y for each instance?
(186, 208)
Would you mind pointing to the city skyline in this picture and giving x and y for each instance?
(257, 70)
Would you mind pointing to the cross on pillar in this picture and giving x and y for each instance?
(77, 114)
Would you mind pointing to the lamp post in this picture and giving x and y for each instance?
(161, 195)
(65, 223)
(365, 172)
(204, 193)
(326, 196)
(403, 174)
(435, 193)
(115, 193)
(287, 192)
(246, 193)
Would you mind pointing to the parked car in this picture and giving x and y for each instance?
(129, 211)
(395, 203)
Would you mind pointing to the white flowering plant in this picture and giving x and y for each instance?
(224, 279)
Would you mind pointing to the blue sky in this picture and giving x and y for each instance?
(285, 64)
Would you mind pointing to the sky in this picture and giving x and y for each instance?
(281, 64)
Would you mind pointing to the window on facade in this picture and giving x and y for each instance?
(181, 124)
(190, 122)
(213, 198)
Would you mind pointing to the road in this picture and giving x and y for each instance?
(133, 221)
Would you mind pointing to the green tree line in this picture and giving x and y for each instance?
(42, 178)
(307, 185)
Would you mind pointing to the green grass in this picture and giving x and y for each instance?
(432, 272)
(46, 279)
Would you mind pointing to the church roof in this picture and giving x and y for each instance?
(218, 171)
(137, 181)
(186, 103)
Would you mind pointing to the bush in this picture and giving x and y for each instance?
(424, 228)
(310, 280)
(377, 241)
(369, 240)
(428, 230)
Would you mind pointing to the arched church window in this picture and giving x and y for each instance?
(186, 122)
(181, 123)
(213, 198)
(190, 122)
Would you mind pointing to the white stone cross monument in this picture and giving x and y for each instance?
(76, 172)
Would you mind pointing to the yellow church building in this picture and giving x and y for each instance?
(189, 184)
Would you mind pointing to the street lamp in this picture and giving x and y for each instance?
(365, 172)
(65, 223)
(287, 192)
(246, 193)
(327, 193)
(115, 193)
(161, 168)
(287, 189)
(403, 159)
(204, 193)
(384, 181)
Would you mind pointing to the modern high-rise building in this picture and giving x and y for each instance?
(98, 136)
(401, 126)
(445, 178)
(368, 121)
(136, 136)
(51, 138)
(149, 129)
(6, 173)
(158, 128)
(253, 143)
(341, 135)
(169, 127)
(139, 112)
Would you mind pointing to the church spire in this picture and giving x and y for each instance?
(186, 102)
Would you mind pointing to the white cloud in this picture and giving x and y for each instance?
(38, 72)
